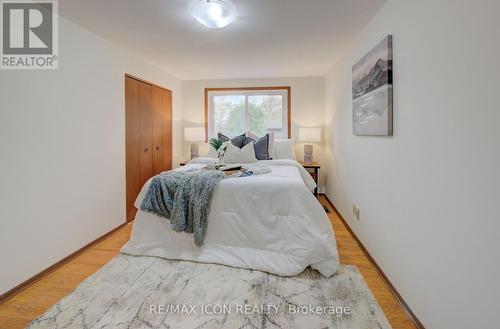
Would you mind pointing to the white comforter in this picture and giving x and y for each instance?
(269, 222)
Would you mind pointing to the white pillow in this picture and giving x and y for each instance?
(212, 153)
(234, 154)
(284, 149)
(270, 148)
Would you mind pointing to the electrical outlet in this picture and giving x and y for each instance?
(355, 211)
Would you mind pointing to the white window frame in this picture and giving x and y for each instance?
(209, 102)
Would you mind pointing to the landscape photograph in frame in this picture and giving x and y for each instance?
(372, 91)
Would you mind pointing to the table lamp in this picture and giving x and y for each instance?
(195, 135)
(309, 135)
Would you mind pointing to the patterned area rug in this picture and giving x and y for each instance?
(146, 292)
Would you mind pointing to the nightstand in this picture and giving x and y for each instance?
(312, 168)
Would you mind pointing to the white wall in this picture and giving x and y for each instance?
(62, 146)
(429, 195)
(307, 105)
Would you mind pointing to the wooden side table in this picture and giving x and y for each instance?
(313, 169)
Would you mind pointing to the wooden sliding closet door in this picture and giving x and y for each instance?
(132, 144)
(148, 129)
(162, 130)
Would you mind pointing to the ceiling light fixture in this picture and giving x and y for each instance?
(214, 14)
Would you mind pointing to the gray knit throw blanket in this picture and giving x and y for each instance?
(184, 197)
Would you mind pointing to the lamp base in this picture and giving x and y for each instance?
(195, 151)
(308, 153)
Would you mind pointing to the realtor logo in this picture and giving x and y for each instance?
(29, 37)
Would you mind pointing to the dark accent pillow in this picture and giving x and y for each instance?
(236, 141)
(260, 146)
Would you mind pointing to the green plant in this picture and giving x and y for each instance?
(215, 142)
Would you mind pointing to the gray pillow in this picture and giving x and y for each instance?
(236, 141)
(261, 146)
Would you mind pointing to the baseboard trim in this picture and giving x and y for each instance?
(20, 287)
(388, 283)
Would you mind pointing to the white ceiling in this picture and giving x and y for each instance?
(270, 38)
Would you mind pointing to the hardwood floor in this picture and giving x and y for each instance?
(350, 253)
(37, 298)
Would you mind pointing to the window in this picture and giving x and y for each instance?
(259, 110)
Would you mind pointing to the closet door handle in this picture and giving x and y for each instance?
(146, 150)
(157, 148)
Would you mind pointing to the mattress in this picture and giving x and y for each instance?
(270, 222)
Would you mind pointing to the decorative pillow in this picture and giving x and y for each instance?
(234, 154)
(270, 149)
(212, 153)
(284, 149)
(261, 146)
(236, 141)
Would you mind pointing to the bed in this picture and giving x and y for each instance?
(270, 222)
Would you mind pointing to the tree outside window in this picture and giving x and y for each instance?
(259, 111)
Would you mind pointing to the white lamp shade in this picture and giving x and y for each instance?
(194, 134)
(310, 135)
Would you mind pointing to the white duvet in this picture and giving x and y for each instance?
(270, 222)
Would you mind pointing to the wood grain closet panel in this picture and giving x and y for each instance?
(132, 145)
(148, 128)
(162, 130)
(146, 132)
(168, 129)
